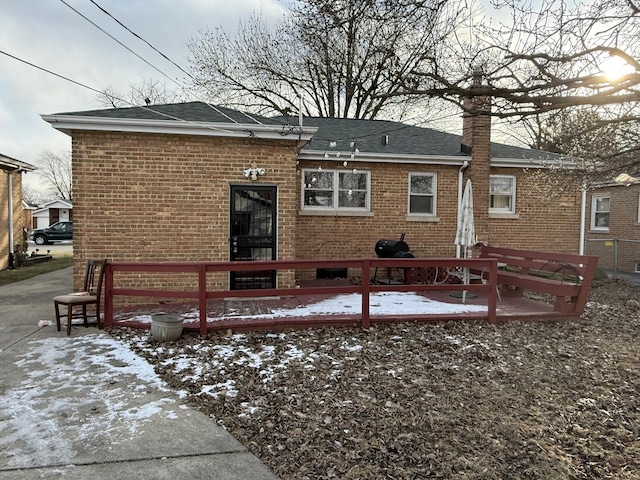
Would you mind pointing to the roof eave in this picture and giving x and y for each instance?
(454, 160)
(17, 165)
(69, 123)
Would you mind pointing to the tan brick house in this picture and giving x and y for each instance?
(192, 182)
(11, 214)
(612, 226)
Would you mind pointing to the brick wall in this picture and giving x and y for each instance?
(542, 223)
(331, 236)
(623, 238)
(143, 197)
(16, 179)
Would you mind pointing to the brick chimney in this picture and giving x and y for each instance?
(476, 139)
(467, 121)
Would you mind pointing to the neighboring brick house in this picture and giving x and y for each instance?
(11, 215)
(613, 226)
(192, 182)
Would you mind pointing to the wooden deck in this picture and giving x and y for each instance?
(205, 309)
(245, 314)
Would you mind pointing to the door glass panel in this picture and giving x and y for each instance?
(253, 220)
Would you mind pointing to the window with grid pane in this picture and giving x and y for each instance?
(600, 212)
(335, 190)
(502, 191)
(422, 194)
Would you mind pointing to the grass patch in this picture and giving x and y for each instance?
(56, 263)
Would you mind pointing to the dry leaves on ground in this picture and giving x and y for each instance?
(453, 400)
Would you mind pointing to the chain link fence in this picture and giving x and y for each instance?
(619, 257)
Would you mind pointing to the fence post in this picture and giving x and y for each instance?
(202, 298)
(366, 281)
(615, 257)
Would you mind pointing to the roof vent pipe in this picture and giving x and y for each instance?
(385, 140)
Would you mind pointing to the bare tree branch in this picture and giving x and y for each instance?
(55, 170)
(344, 58)
(149, 92)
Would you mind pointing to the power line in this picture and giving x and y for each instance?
(149, 109)
(120, 43)
(56, 74)
(140, 57)
(154, 67)
(140, 38)
(172, 117)
(165, 57)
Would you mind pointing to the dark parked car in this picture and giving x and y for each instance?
(54, 233)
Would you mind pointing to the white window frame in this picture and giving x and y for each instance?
(335, 208)
(594, 201)
(434, 194)
(512, 207)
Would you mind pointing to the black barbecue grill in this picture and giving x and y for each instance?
(386, 248)
(393, 248)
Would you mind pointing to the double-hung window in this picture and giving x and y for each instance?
(502, 192)
(336, 190)
(600, 211)
(422, 194)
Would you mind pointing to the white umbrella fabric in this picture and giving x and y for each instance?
(465, 234)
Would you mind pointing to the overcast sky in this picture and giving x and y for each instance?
(51, 35)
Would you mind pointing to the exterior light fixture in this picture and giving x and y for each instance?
(253, 172)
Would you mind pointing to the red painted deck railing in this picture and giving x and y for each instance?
(367, 266)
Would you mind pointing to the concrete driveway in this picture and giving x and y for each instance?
(85, 406)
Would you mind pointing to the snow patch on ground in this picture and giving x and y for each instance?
(75, 389)
(382, 303)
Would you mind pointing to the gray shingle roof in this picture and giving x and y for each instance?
(368, 135)
(189, 111)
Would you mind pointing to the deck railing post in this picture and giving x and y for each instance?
(202, 298)
(493, 291)
(108, 296)
(366, 290)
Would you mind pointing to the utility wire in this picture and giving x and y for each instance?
(56, 74)
(172, 117)
(165, 57)
(155, 68)
(176, 65)
(120, 43)
(149, 109)
(140, 38)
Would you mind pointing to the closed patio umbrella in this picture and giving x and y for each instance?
(465, 234)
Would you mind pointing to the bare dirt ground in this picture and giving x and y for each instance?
(411, 401)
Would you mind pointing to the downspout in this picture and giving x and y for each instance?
(464, 166)
(10, 203)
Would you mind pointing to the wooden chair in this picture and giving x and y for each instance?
(90, 295)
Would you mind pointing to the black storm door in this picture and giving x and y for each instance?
(253, 234)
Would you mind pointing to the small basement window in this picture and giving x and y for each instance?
(324, 273)
(637, 267)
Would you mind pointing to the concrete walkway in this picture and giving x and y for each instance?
(85, 406)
